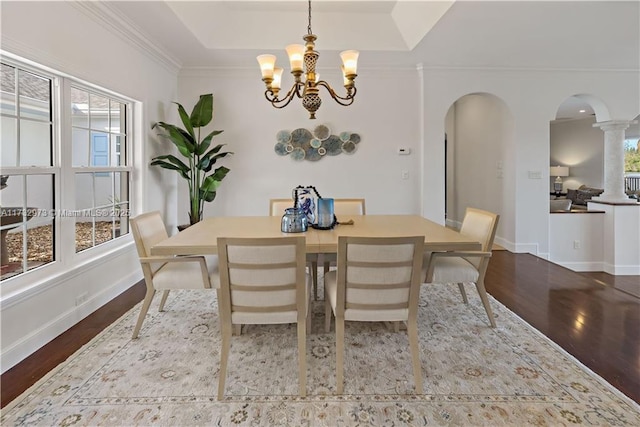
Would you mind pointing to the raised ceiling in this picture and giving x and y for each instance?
(511, 34)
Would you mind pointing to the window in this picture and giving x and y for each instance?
(84, 145)
(28, 171)
(101, 172)
(632, 155)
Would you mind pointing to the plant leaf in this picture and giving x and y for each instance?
(208, 197)
(186, 121)
(203, 111)
(204, 145)
(208, 160)
(166, 165)
(179, 137)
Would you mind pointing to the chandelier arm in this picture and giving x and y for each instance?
(348, 100)
(283, 102)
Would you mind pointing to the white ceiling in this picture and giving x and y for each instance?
(403, 33)
(516, 34)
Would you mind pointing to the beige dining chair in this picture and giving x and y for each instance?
(342, 208)
(263, 281)
(165, 273)
(466, 266)
(276, 208)
(377, 279)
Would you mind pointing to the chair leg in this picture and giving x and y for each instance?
(464, 294)
(314, 276)
(224, 357)
(302, 358)
(340, 355)
(327, 313)
(414, 345)
(237, 329)
(485, 301)
(308, 319)
(143, 311)
(163, 300)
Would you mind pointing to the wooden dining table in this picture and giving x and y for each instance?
(201, 238)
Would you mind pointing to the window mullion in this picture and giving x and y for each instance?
(67, 177)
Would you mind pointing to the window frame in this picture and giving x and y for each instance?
(65, 257)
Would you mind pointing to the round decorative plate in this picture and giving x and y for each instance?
(355, 138)
(300, 136)
(283, 136)
(348, 147)
(288, 148)
(312, 155)
(322, 151)
(333, 145)
(280, 149)
(298, 154)
(344, 136)
(322, 132)
(316, 143)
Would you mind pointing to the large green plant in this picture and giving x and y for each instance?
(200, 158)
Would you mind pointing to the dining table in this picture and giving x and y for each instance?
(201, 238)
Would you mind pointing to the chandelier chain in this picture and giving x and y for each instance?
(309, 26)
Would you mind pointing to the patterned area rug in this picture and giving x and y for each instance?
(473, 375)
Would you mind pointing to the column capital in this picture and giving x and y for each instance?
(614, 124)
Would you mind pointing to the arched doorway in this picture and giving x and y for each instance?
(479, 156)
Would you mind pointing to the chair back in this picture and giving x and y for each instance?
(480, 225)
(348, 207)
(148, 229)
(262, 280)
(277, 206)
(377, 274)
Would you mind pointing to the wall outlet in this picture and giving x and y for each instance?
(577, 244)
(405, 175)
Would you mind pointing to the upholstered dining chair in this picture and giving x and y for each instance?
(466, 266)
(276, 208)
(343, 208)
(263, 281)
(166, 273)
(377, 279)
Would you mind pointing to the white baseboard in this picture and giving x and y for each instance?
(581, 267)
(621, 270)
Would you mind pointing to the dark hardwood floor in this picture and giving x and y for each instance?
(593, 316)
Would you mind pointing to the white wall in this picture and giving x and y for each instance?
(71, 38)
(577, 144)
(532, 97)
(575, 240)
(250, 125)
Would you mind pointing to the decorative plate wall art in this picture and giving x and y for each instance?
(313, 145)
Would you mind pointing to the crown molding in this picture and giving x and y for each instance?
(122, 26)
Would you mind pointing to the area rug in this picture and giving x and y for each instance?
(473, 375)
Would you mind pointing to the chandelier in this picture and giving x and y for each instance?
(309, 89)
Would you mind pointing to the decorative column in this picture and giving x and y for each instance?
(614, 161)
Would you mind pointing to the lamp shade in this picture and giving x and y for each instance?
(559, 171)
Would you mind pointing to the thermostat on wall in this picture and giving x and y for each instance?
(404, 150)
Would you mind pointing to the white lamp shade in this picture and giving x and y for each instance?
(559, 171)
(350, 61)
(296, 56)
(267, 63)
(277, 78)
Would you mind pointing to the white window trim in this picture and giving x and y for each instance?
(66, 260)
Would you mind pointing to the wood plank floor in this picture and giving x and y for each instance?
(593, 316)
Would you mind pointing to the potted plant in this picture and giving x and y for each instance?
(200, 157)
